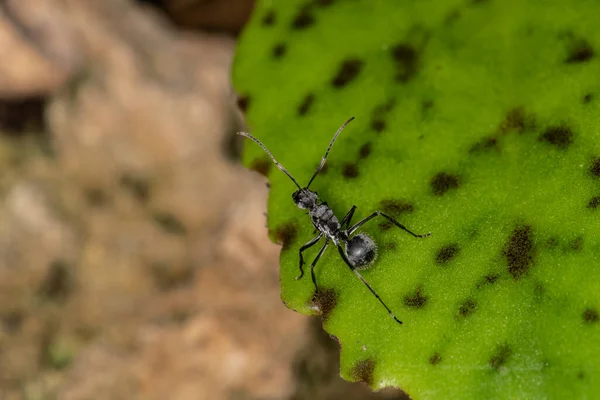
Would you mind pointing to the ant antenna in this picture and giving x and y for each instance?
(281, 167)
(327, 152)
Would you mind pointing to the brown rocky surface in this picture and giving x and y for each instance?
(134, 258)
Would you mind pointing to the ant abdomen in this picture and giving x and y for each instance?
(361, 251)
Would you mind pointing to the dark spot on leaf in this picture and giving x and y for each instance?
(378, 125)
(487, 143)
(514, 119)
(406, 58)
(595, 167)
(386, 225)
(390, 246)
(169, 223)
(559, 136)
(363, 371)
(261, 166)
(416, 299)
(279, 50)
(286, 234)
(364, 151)
(350, 170)
(137, 186)
(580, 375)
(588, 98)
(500, 357)
(395, 207)
(580, 51)
(58, 283)
(447, 253)
(96, 197)
(552, 243)
(467, 308)
(519, 251)
(12, 321)
(577, 244)
(243, 102)
(347, 72)
(269, 18)
(304, 18)
(594, 202)
(443, 182)
(435, 359)
(324, 169)
(324, 301)
(167, 276)
(488, 279)
(452, 16)
(306, 104)
(427, 105)
(591, 316)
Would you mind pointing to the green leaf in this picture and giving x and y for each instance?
(478, 121)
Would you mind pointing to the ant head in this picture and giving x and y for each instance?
(304, 198)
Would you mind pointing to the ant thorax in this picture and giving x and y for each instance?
(325, 221)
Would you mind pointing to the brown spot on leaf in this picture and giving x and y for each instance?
(279, 50)
(443, 182)
(306, 104)
(396, 207)
(364, 151)
(435, 359)
(500, 357)
(416, 299)
(488, 279)
(447, 253)
(324, 301)
(577, 244)
(406, 58)
(349, 69)
(269, 18)
(590, 316)
(595, 167)
(363, 371)
(519, 251)
(514, 119)
(378, 124)
(559, 136)
(304, 18)
(487, 143)
(285, 234)
(467, 308)
(594, 202)
(350, 170)
(588, 98)
(580, 51)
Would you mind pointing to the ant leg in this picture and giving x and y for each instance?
(348, 217)
(345, 258)
(312, 266)
(306, 246)
(392, 220)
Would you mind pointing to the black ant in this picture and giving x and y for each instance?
(360, 250)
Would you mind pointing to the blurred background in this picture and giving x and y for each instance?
(134, 257)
